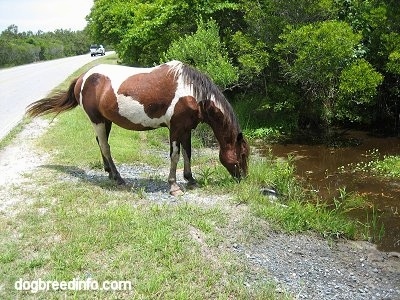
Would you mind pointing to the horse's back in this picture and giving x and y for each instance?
(117, 74)
(133, 98)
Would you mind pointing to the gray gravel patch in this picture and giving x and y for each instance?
(309, 267)
(18, 159)
(150, 182)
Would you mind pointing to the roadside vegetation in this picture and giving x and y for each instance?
(72, 228)
(18, 48)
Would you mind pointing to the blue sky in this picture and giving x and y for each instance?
(45, 15)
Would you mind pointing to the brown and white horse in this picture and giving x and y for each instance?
(172, 94)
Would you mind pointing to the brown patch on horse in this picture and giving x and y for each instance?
(94, 84)
(186, 114)
(100, 103)
(218, 121)
(77, 88)
(154, 90)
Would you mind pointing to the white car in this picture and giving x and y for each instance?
(97, 50)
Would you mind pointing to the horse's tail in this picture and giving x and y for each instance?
(57, 103)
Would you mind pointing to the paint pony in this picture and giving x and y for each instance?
(172, 95)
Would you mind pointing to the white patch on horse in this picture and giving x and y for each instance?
(100, 130)
(217, 104)
(175, 67)
(175, 149)
(134, 112)
(116, 73)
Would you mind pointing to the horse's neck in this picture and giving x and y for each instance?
(222, 128)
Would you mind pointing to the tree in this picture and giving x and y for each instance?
(142, 31)
(315, 57)
(26, 47)
(205, 50)
(357, 92)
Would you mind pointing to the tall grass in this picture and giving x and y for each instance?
(289, 207)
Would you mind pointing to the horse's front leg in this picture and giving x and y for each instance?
(174, 190)
(187, 154)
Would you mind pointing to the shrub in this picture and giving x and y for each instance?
(205, 51)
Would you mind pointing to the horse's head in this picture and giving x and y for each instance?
(235, 157)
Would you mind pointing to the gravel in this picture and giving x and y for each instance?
(303, 265)
(151, 182)
(310, 267)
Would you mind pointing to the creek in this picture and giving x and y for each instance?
(329, 170)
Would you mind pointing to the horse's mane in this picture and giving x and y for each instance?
(205, 90)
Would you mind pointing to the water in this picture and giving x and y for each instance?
(326, 169)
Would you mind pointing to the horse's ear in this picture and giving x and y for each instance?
(242, 143)
(239, 138)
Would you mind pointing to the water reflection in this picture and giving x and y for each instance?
(326, 169)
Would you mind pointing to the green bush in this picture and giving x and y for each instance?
(357, 90)
(205, 50)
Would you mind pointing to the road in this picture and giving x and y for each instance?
(22, 85)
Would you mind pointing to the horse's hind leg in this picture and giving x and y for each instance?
(105, 161)
(102, 132)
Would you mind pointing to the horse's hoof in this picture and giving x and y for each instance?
(192, 185)
(120, 181)
(176, 193)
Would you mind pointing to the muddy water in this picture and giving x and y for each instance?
(326, 169)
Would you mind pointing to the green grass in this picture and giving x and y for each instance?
(13, 133)
(75, 229)
(90, 231)
(388, 166)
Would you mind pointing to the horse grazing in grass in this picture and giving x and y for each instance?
(173, 94)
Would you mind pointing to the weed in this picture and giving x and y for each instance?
(388, 166)
(348, 201)
(204, 175)
(375, 163)
(373, 229)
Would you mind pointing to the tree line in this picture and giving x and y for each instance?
(17, 48)
(301, 63)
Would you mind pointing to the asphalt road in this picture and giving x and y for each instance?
(22, 85)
